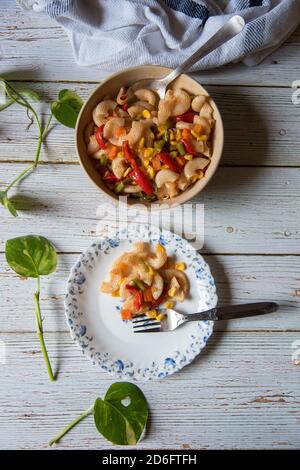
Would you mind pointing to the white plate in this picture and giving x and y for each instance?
(94, 317)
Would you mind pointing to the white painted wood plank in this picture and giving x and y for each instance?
(243, 392)
(36, 52)
(261, 126)
(246, 210)
(239, 279)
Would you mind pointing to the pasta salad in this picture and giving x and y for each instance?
(151, 148)
(146, 280)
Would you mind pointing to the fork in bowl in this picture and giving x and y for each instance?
(143, 324)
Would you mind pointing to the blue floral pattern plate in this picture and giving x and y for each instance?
(94, 317)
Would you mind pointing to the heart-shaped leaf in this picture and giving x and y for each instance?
(122, 415)
(7, 203)
(31, 255)
(67, 107)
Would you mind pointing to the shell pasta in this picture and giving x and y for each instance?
(151, 148)
(146, 280)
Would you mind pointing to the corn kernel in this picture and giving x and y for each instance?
(194, 134)
(178, 135)
(146, 114)
(146, 163)
(164, 167)
(180, 266)
(148, 152)
(160, 248)
(173, 142)
(188, 157)
(150, 270)
(169, 304)
(142, 143)
(150, 171)
(202, 138)
(171, 292)
(171, 135)
(120, 154)
(160, 317)
(151, 313)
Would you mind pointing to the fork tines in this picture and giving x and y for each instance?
(143, 324)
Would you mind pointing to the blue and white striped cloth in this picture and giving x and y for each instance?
(114, 34)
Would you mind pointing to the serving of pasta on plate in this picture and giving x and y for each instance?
(146, 280)
(150, 148)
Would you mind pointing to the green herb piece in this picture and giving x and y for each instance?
(181, 149)
(174, 154)
(103, 159)
(22, 97)
(166, 136)
(67, 107)
(33, 256)
(120, 417)
(159, 145)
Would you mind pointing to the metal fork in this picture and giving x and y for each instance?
(143, 324)
(230, 29)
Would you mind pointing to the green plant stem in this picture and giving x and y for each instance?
(45, 131)
(6, 105)
(39, 327)
(31, 166)
(71, 425)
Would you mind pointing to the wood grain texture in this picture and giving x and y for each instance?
(261, 126)
(239, 279)
(243, 391)
(26, 36)
(246, 210)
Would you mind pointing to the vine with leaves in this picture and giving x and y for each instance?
(65, 110)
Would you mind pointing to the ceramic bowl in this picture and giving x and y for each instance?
(111, 86)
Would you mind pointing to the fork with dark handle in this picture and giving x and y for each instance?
(143, 324)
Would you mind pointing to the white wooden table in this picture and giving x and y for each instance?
(244, 390)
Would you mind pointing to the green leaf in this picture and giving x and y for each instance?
(72, 98)
(29, 94)
(122, 415)
(67, 107)
(7, 203)
(31, 256)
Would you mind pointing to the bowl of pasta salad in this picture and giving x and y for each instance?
(150, 150)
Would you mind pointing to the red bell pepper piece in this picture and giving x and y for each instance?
(132, 289)
(99, 137)
(138, 296)
(186, 117)
(124, 107)
(168, 160)
(110, 178)
(138, 300)
(128, 155)
(140, 178)
(188, 147)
